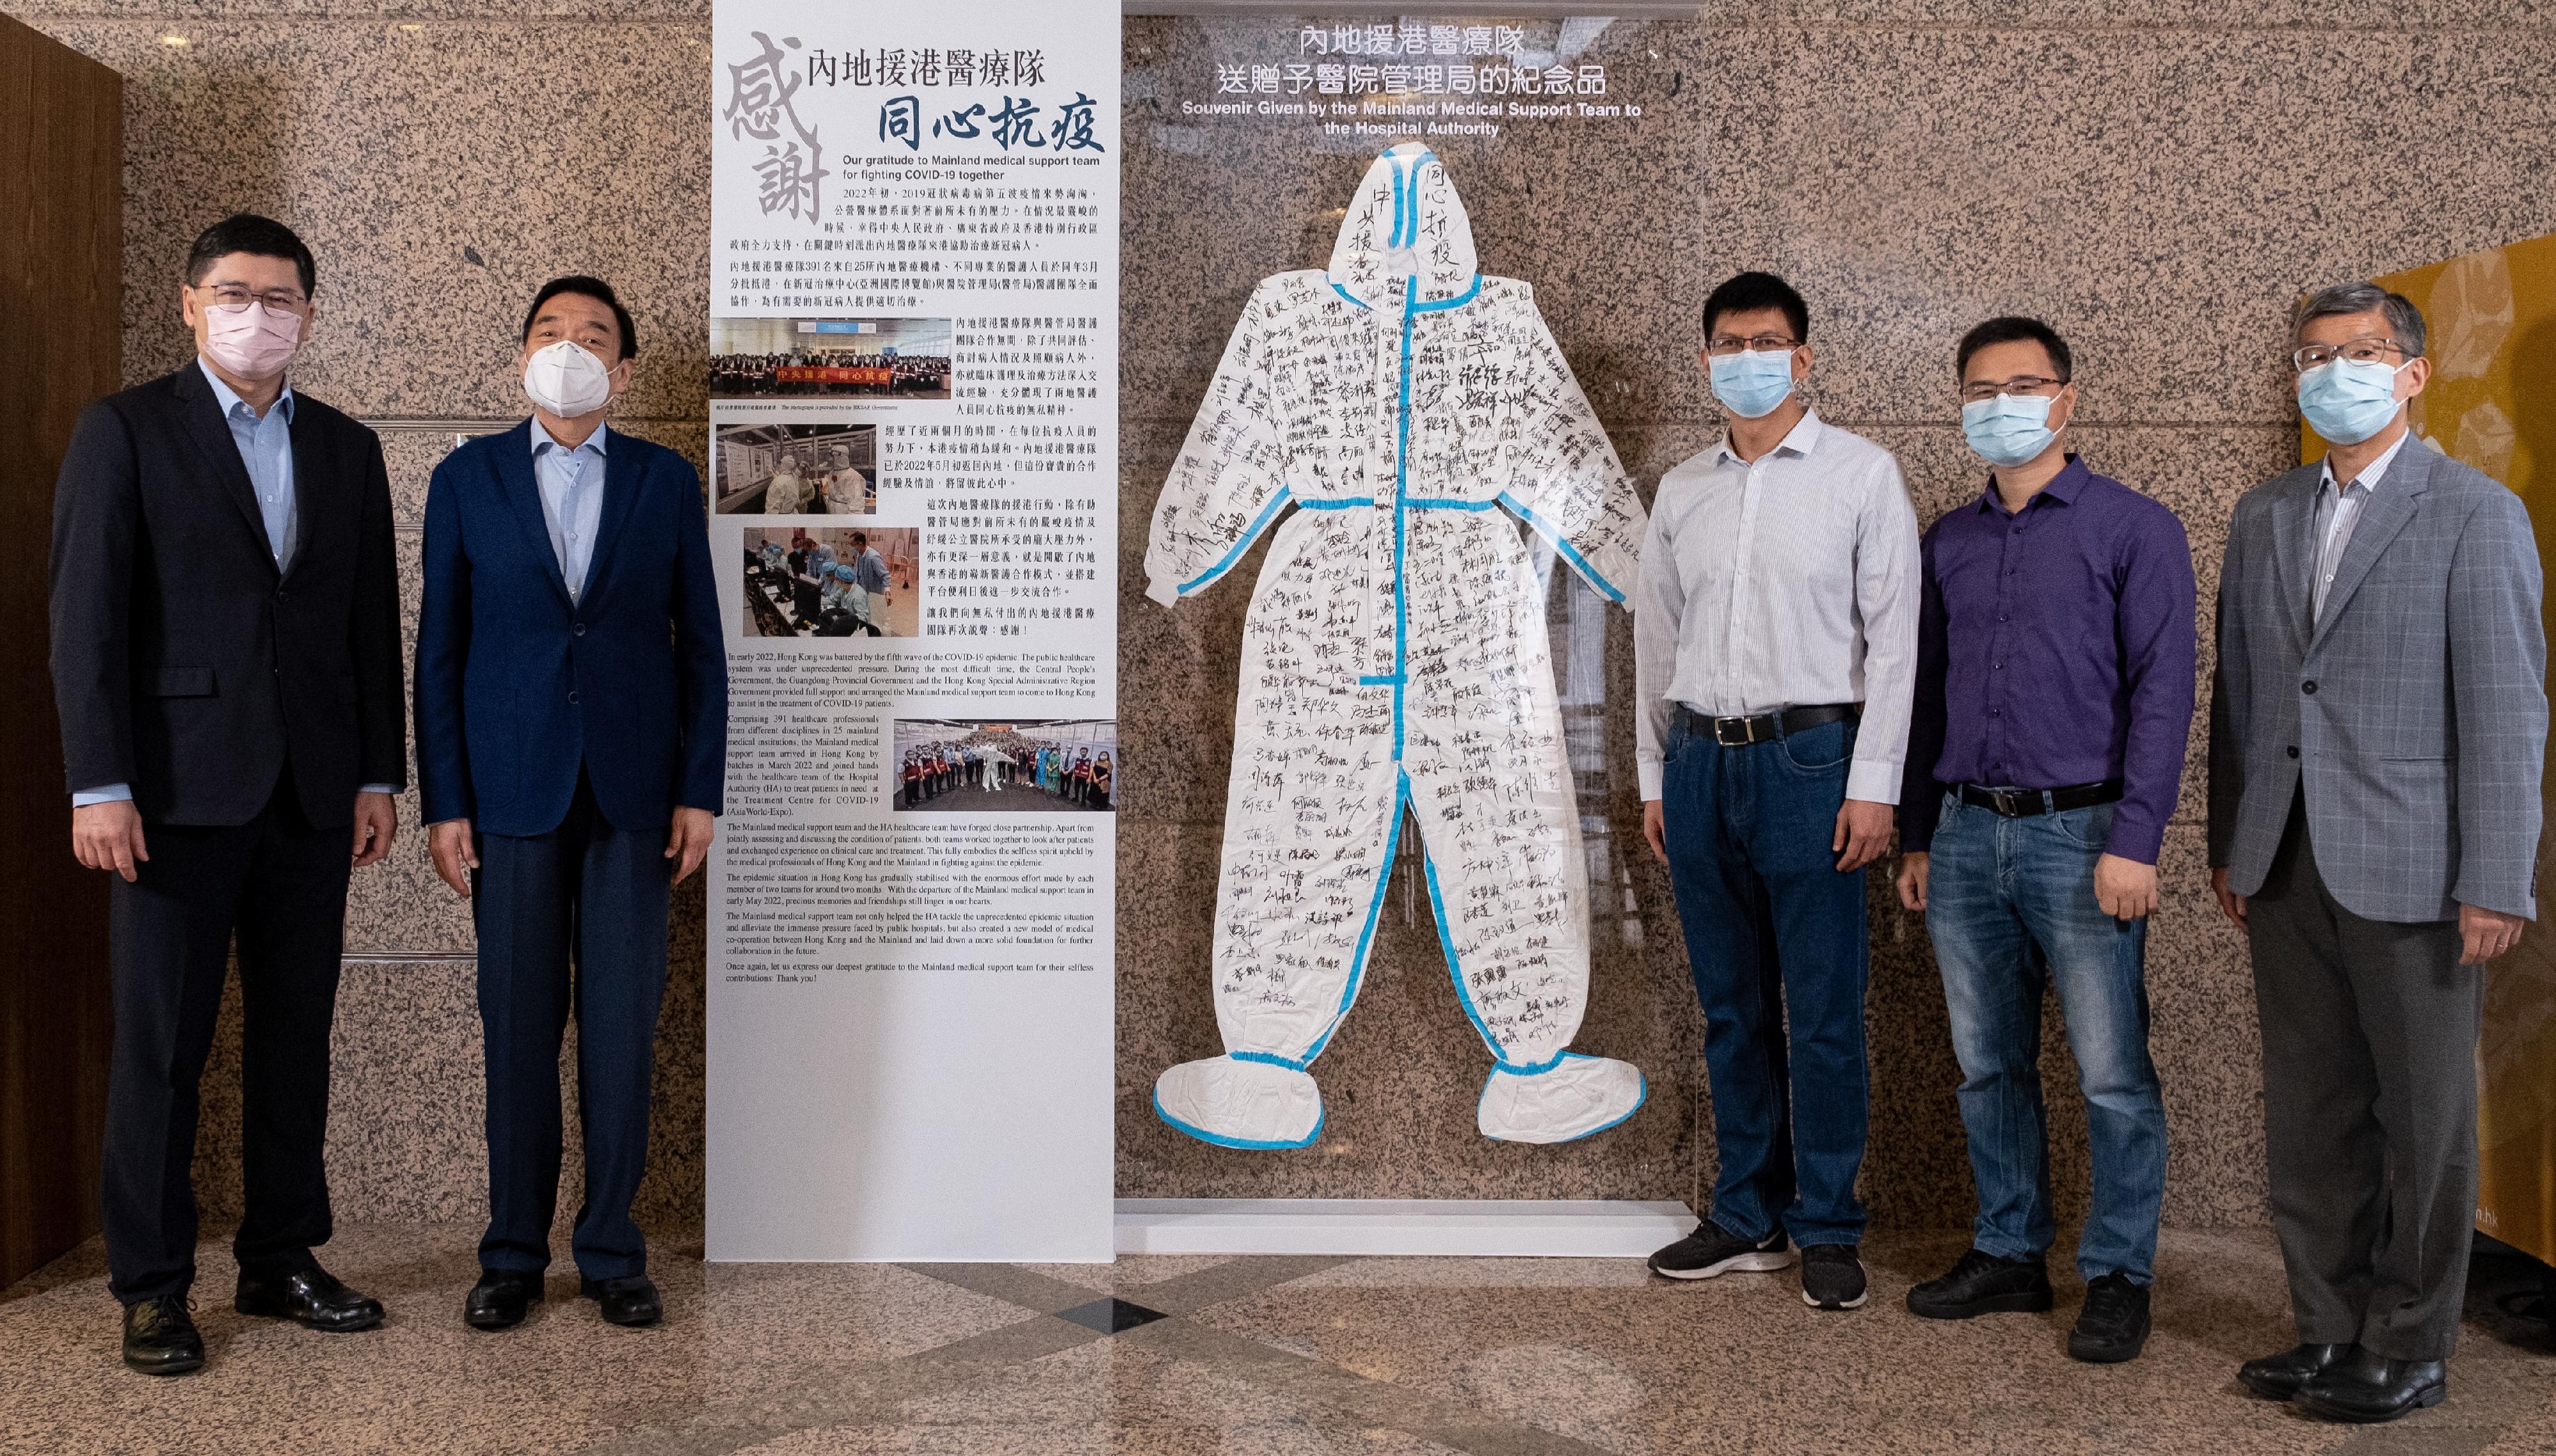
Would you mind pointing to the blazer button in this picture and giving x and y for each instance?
(571, 697)
(2308, 687)
(577, 631)
(2294, 749)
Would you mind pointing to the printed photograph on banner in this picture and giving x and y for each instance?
(830, 358)
(831, 580)
(1008, 766)
(796, 468)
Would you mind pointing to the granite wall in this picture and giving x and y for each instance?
(2158, 180)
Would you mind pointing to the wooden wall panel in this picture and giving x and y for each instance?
(62, 231)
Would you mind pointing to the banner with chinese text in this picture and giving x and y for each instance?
(914, 381)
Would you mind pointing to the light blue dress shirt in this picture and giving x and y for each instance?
(266, 448)
(572, 484)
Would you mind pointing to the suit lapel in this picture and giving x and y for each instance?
(2293, 550)
(312, 499)
(211, 436)
(523, 493)
(2383, 515)
(621, 492)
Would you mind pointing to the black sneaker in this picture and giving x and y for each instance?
(1983, 1283)
(1709, 1252)
(1831, 1276)
(2113, 1325)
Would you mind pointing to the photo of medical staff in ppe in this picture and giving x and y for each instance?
(804, 468)
(973, 765)
(832, 581)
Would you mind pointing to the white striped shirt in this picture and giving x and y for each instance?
(1789, 581)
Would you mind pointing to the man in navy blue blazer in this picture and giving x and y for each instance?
(571, 710)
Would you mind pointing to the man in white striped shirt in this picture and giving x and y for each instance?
(1776, 641)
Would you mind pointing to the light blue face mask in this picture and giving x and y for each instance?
(1751, 384)
(2349, 399)
(2008, 429)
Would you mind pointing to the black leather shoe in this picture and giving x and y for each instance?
(630, 1300)
(2113, 1325)
(2368, 1388)
(310, 1297)
(2278, 1376)
(500, 1298)
(160, 1337)
(1983, 1283)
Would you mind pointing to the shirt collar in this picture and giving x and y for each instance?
(229, 398)
(2370, 474)
(541, 440)
(1801, 439)
(2062, 487)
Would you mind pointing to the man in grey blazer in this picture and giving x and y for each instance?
(2376, 738)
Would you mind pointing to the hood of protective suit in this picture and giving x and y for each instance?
(1405, 222)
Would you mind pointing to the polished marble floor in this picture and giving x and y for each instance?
(1269, 1356)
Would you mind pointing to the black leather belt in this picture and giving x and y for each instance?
(2016, 804)
(1767, 727)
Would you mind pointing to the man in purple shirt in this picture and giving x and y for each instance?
(2054, 698)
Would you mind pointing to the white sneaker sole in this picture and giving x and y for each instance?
(1855, 1303)
(1757, 1262)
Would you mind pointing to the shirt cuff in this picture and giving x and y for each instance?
(1875, 781)
(391, 789)
(103, 793)
(1651, 775)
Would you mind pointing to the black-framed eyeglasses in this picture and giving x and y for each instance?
(240, 295)
(2368, 350)
(1723, 345)
(2022, 384)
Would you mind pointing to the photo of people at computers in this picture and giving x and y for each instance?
(977, 766)
(830, 358)
(832, 581)
(823, 468)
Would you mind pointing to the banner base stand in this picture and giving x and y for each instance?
(1478, 1228)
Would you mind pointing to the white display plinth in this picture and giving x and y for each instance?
(1554, 1229)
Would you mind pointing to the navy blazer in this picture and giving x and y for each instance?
(517, 688)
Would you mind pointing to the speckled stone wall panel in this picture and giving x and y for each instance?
(2157, 180)
(441, 172)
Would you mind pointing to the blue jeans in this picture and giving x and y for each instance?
(1774, 932)
(2011, 906)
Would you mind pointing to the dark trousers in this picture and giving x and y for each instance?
(595, 896)
(2370, 1109)
(1775, 939)
(280, 886)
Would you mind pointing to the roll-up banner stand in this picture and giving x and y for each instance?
(914, 386)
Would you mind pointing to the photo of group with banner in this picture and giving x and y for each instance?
(830, 358)
(976, 766)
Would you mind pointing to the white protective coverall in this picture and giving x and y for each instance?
(1395, 653)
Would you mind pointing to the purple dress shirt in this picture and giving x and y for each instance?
(2055, 647)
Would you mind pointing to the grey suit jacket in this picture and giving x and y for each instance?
(2415, 709)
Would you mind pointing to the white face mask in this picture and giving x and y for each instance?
(566, 381)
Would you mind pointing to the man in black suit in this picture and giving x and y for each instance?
(226, 657)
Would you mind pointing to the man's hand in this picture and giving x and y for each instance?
(689, 840)
(454, 854)
(2127, 889)
(1912, 880)
(1655, 828)
(2231, 906)
(376, 825)
(2486, 934)
(108, 836)
(1862, 833)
